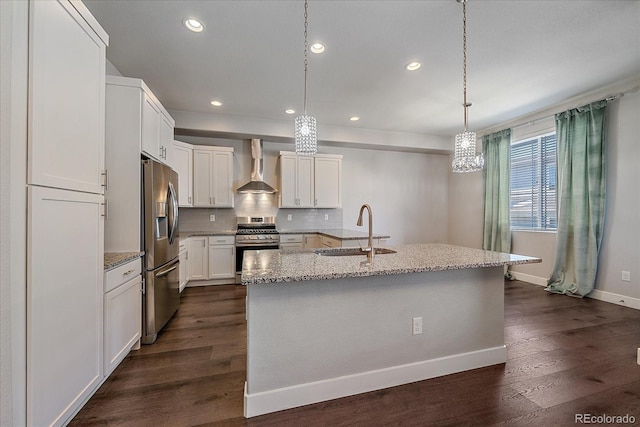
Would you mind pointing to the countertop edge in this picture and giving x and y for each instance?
(116, 259)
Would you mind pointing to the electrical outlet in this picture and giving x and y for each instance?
(326, 217)
(212, 217)
(289, 216)
(417, 325)
(626, 276)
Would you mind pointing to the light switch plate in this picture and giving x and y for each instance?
(626, 276)
(289, 216)
(212, 217)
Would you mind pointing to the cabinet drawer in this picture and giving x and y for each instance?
(291, 238)
(119, 275)
(222, 240)
(330, 242)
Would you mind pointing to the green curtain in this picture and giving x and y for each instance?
(580, 187)
(497, 226)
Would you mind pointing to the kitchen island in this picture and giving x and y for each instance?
(321, 327)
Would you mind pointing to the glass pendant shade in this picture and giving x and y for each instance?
(465, 157)
(305, 135)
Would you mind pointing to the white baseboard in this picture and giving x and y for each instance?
(333, 388)
(535, 280)
(605, 296)
(618, 299)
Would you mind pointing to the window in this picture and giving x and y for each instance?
(533, 183)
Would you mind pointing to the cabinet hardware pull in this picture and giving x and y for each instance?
(105, 184)
(126, 273)
(189, 199)
(105, 214)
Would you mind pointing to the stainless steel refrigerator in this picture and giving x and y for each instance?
(160, 242)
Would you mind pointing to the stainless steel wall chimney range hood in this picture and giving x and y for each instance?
(257, 184)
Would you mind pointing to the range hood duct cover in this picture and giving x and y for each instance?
(257, 184)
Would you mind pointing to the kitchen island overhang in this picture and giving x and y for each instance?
(320, 328)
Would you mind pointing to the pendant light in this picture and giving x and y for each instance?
(465, 157)
(305, 126)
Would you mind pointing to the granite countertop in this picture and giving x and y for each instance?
(272, 266)
(116, 259)
(338, 233)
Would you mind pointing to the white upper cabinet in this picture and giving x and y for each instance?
(308, 182)
(212, 176)
(150, 128)
(66, 97)
(328, 181)
(166, 140)
(296, 181)
(153, 124)
(183, 165)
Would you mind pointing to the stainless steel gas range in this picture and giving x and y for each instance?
(255, 233)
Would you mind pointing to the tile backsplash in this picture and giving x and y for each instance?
(198, 219)
(307, 219)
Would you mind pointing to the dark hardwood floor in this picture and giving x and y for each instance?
(566, 356)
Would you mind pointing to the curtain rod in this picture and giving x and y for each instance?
(610, 98)
(575, 100)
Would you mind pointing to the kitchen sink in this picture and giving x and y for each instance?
(353, 251)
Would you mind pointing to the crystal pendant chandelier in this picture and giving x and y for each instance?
(305, 133)
(465, 157)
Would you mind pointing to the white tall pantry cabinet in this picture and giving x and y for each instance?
(65, 247)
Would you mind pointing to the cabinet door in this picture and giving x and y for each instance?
(202, 178)
(122, 321)
(64, 302)
(183, 268)
(198, 258)
(328, 182)
(312, 241)
(288, 182)
(222, 262)
(305, 179)
(183, 164)
(150, 128)
(166, 140)
(222, 192)
(66, 99)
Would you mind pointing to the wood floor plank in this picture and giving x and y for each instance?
(564, 356)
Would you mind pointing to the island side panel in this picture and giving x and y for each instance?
(305, 332)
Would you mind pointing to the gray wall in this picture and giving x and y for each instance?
(407, 192)
(621, 242)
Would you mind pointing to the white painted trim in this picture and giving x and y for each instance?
(304, 394)
(535, 280)
(597, 294)
(617, 299)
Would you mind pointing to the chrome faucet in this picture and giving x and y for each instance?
(369, 249)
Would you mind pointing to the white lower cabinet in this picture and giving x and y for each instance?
(222, 257)
(122, 313)
(198, 263)
(64, 302)
(183, 266)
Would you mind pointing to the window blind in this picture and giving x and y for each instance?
(533, 183)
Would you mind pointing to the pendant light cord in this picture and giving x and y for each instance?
(464, 56)
(305, 55)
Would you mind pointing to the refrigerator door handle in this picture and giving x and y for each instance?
(174, 208)
(168, 270)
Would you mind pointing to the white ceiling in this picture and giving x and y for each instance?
(522, 56)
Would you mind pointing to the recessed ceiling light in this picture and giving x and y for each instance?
(216, 103)
(412, 66)
(289, 111)
(354, 118)
(317, 47)
(194, 25)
